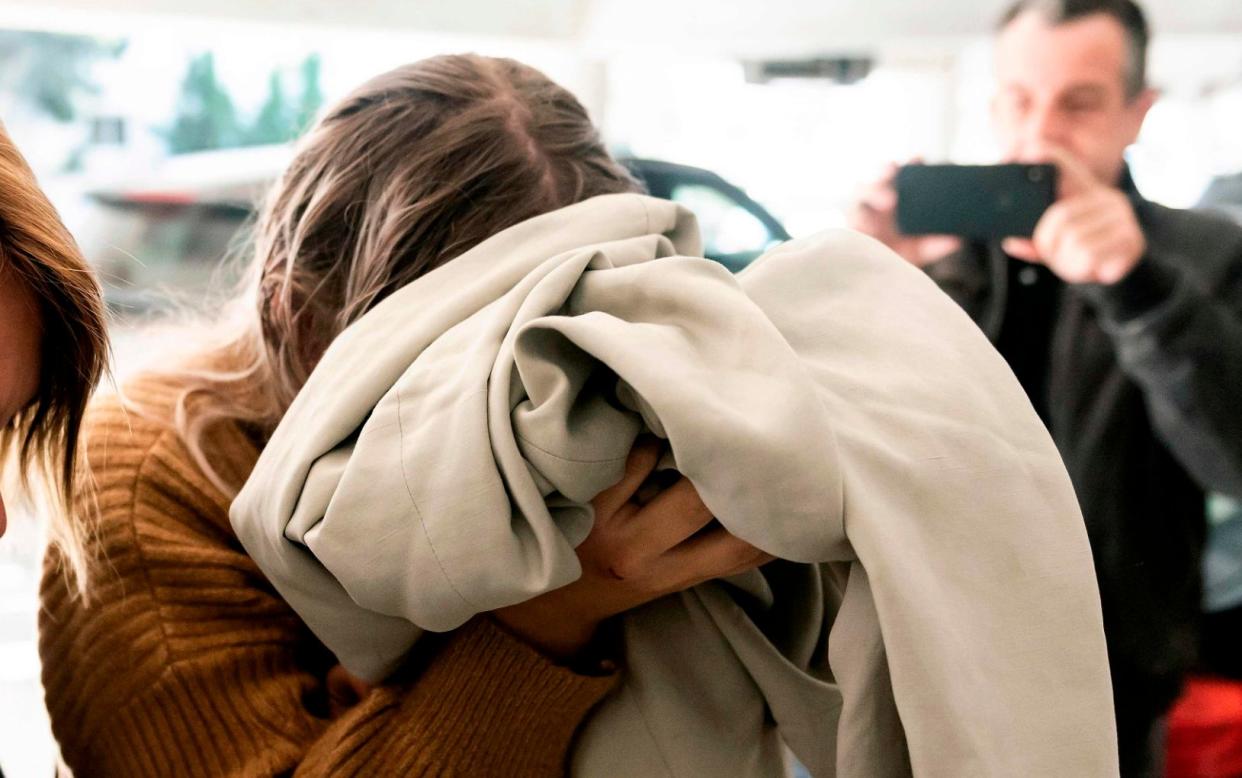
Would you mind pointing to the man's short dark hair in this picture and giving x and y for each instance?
(1126, 12)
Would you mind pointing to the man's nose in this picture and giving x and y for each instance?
(1045, 127)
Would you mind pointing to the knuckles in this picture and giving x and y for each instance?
(625, 566)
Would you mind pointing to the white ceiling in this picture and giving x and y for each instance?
(802, 24)
(747, 27)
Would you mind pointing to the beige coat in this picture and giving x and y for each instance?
(938, 614)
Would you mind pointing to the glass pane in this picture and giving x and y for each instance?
(728, 228)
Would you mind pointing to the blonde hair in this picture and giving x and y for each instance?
(40, 253)
(411, 170)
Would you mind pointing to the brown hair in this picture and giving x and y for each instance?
(40, 253)
(1125, 12)
(414, 168)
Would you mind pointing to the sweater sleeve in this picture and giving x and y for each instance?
(184, 661)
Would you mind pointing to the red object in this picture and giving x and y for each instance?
(160, 198)
(1205, 730)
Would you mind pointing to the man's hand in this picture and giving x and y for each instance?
(1089, 235)
(875, 214)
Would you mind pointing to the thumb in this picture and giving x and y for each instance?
(1020, 248)
(1076, 177)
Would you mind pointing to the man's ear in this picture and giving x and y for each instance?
(1138, 108)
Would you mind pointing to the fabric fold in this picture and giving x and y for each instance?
(935, 609)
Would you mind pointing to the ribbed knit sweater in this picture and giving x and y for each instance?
(186, 662)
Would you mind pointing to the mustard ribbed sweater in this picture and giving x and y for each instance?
(186, 662)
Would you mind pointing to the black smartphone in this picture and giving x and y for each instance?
(979, 202)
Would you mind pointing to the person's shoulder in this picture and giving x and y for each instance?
(124, 427)
(135, 414)
(1213, 222)
(1206, 243)
(143, 469)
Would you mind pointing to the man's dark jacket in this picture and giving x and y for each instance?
(1140, 384)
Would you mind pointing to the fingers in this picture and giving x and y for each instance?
(712, 554)
(873, 209)
(1075, 177)
(1095, 228)
(669, 519)
(875, 214)
(1051, 228)
(888, 174)
(1058, 221)
(881, 196)
(641, 553)
(1112, 272)
(1091, 237)
(1020, 248)
(641, 461)
(869, 221)
(931, 248)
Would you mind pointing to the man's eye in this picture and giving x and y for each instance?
(1081, 106)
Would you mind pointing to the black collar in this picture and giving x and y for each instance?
(1126, 184)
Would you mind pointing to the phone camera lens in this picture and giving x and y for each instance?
(1035, 175)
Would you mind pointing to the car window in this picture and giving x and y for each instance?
(730, 231)
(145, 247)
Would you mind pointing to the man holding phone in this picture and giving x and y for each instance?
(1123, 321)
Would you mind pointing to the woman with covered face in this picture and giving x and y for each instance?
(186, 661)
